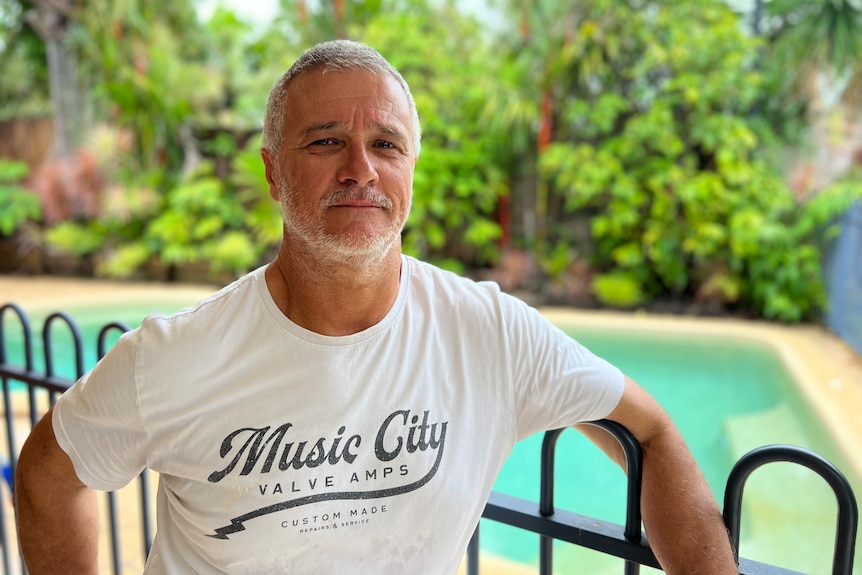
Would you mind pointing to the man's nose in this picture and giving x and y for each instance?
(358, 167)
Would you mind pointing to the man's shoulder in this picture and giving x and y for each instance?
(427, 274)
(439, 287)
(229, 306)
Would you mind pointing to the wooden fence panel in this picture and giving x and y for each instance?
(26, 139)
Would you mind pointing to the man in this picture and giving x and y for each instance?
(344, 409)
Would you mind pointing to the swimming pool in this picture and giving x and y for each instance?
(727, 395)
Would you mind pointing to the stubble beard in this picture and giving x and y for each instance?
(362, 251)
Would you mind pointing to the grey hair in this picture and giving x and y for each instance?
(333, 55)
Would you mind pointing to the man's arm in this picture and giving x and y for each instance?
(681, 517)
(58, 516)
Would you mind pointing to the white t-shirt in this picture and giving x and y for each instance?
(281, 450)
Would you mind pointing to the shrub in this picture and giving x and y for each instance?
(18, 205)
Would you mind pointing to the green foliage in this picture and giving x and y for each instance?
(821, 213)
(147, 65)
(119, 222)
(618, 289)
(663, 159)
(17, 204)
(164, 79)
(226, 224)
(262, 213)
(201, 222)
(458, 182)
(810, 45)
(308, 23)
(785, 268)
(75, 238)
(557, 261)
(124, 261)
(234, 252)
(816, 33)
(23, 66)
(22, 92)
(650, 124)
(246, 63)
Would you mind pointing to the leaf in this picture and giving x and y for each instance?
(618, 289)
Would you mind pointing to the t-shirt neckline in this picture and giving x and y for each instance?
(309, 336)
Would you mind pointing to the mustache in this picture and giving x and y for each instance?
(357, 193)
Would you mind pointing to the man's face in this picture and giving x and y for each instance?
(345, 169)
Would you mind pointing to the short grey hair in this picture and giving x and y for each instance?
(333, 55)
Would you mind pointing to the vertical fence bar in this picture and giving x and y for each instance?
(473, 553)
(146, 524)
(111, 498)
(546, 497)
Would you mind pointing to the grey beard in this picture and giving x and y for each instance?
(365, 253)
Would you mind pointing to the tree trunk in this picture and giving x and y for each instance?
(546, 136)
(51, 20)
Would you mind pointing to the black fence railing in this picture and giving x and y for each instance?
(27, 393)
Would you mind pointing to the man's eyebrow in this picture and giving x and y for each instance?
(324, 127)
(392, 132)
(383, 129)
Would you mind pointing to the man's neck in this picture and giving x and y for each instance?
(334, 300)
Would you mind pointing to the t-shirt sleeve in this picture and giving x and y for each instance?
(97, 421)
(558, 382)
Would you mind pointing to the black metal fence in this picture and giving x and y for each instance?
(42, 387)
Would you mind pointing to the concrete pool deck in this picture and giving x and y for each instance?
(828, 371)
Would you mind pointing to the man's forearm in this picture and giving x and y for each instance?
(683, 522)
(61, 539)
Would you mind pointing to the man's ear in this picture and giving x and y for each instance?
(269, 165)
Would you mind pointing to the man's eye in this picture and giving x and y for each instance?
(324, 142)
(384, 144)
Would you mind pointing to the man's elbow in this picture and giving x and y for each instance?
(44, 471)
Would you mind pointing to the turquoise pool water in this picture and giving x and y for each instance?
(727, 396)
